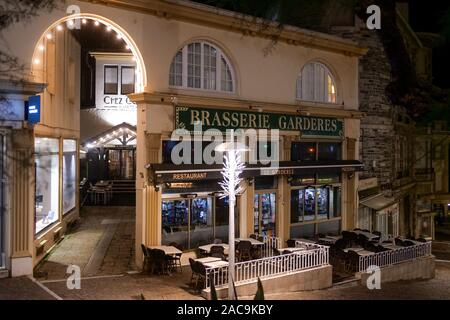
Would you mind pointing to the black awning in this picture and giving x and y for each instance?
(161, 173)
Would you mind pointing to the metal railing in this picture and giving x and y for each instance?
(386, 258)
(249, 271)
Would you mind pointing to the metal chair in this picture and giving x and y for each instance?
(244, 250)
(290, 243)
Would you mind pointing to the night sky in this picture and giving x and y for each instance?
(434, 16)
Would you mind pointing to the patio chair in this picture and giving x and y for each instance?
(341, 243)
(193, 270)
(160, 261)
(200, 280)
(377, 233)
(243, 250)
(370, 246)
(399, 242)
(351, 237)
(256, 252)
(217, 252)
(361, 240)
(290, 243)
(175, 260)
(421, 240)
(408, 243)
(365, 230)
(340, 260)
(357, 229)
(147, 260)
(352, 261)
(217, 241)
(260, 239)
(253, 236)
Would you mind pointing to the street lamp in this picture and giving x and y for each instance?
(231, 186)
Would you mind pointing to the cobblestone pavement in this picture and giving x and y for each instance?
(101, 244)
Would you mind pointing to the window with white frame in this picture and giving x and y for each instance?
(201, 65)
(316, 83)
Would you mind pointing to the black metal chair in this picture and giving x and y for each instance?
(217, 241)
(217, 252)
(421, 240)
(399, 242)
(350, 236)
(352, 261)
(244, 250)
(377, 233)
(175, 260)
(408, 243)
(341, 243)
(253, 236)
(193, 270)
(200, 280)
(357, 229)
(290, 243)
(160, 261)
(147, 259)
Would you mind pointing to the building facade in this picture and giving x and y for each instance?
(196, 64)
(40, 138)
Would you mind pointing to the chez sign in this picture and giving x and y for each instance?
(310, 126)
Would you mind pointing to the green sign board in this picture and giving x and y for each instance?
(309, 126)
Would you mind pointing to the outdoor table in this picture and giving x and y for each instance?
(305, 240)
(207, 247)
(291, 250)
(354, 249)
(254, 242)
(365, 253)
(208, 260)
(169, 250)
(327, 240)
(216, 264)
(368, 235)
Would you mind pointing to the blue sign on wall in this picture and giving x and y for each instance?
(33, 109)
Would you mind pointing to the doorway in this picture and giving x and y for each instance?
(121, 164)
(264, 213)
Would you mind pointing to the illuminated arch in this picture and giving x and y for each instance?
(37, 67)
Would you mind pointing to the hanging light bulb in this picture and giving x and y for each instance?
(96, 23)
(83, 21)
(41, 47)
(119, 36)
(48, 36)
(127, 47)
(70, 22)
(37, 61)
(108, 28)
(59, 27)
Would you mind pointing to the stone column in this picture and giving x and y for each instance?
(21, 182)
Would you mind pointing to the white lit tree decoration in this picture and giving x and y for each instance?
(231, 186)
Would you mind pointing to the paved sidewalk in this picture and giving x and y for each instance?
(22, 288)
(102, 243)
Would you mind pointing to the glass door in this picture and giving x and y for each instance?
(175, 222)
(264, 214)
(201, 228)
(127, 165)
(114, 164)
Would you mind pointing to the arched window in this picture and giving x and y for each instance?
(316, 83)
(201, 65)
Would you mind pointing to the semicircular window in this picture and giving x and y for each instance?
(316, 83)
(203, 66)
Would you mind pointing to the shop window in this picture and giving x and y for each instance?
(47, 182)
(315, 203)
(111, 80)
(69, 175)
(127, 79)
(201, 65)
(264, 214)
(303, 151)
(329, 151)
(316, 83)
